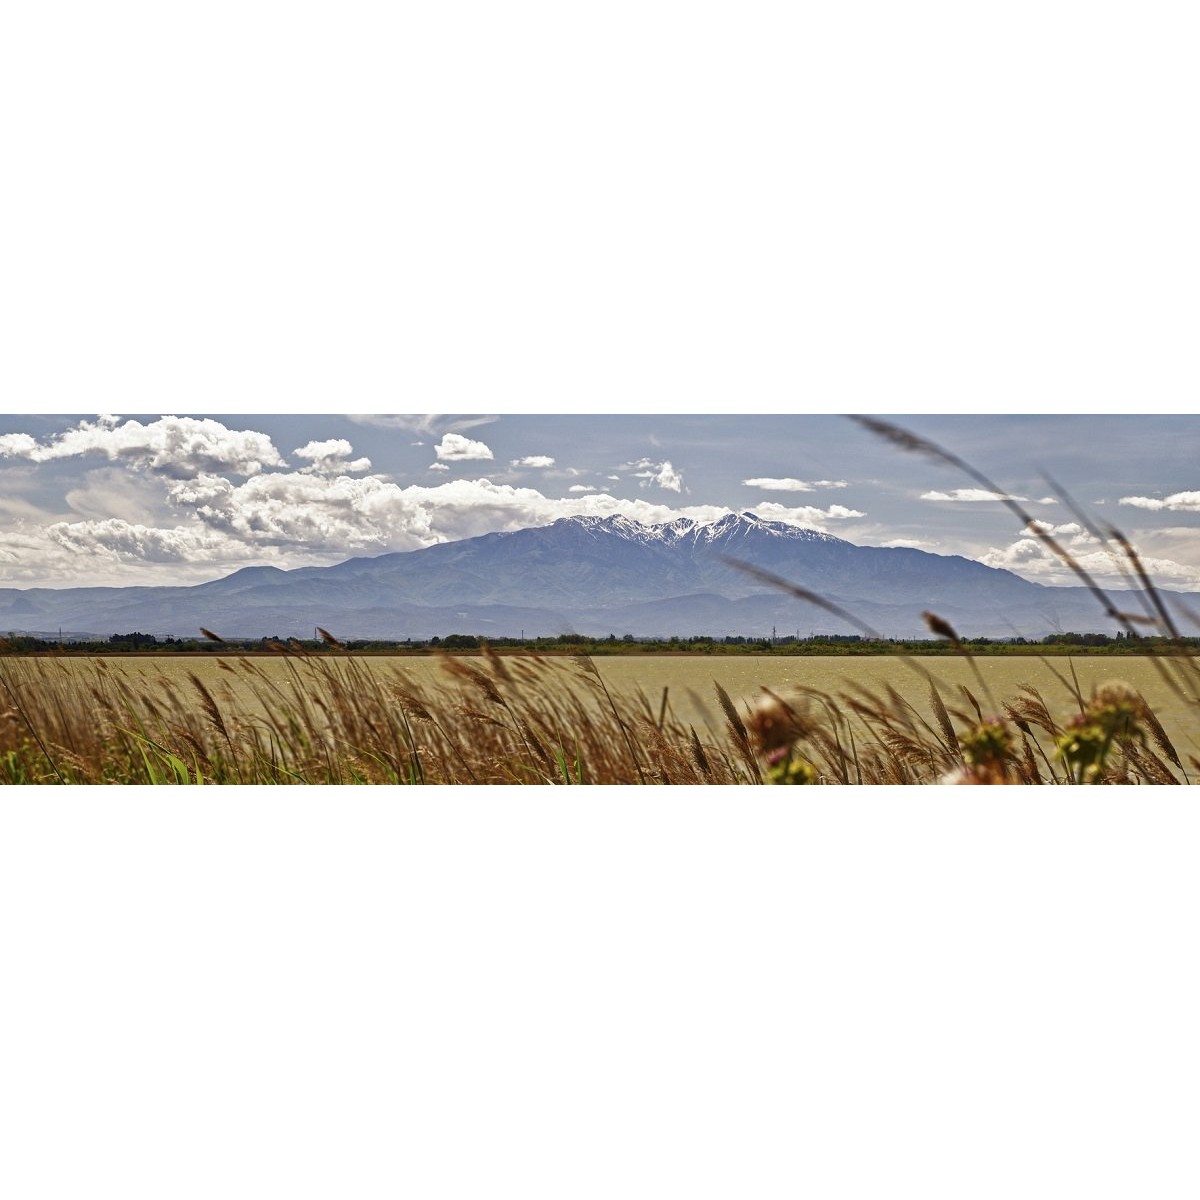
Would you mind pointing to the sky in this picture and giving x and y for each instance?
(153, 499)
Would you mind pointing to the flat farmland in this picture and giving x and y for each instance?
(687, 681)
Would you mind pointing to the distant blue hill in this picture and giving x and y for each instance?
(589, 575)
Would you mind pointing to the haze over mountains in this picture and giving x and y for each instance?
(588, 575)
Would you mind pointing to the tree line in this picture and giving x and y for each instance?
(817, 644)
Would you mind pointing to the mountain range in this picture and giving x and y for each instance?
(592, 575)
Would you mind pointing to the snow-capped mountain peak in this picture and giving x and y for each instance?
(729, 527)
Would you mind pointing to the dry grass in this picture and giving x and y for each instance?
(529, 720)
(523, 720)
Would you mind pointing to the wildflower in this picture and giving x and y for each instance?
(1111, 717)
(987, 752)
(776, 726)
(785, 766)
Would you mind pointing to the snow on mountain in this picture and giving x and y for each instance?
(724, 529)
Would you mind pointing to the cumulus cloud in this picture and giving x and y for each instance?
(20, 445)
(1067, 528)
(1071, 531)
(1023, 550)
(788, 484)
(534, 460)
(1033, 559)
(331, 455)
(581, 487)
(118, 552)
(438, 467)
(1177, 502)
(332, 448)
(178, 447)
(141, 543)
(908, 543)
(455, 448)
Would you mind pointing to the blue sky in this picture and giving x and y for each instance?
(188, 497)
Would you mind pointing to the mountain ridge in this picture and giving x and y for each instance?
(594, 575)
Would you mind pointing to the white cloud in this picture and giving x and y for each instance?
(438, 467)
(120, 553)
(806, 515)
(331, 455)
(1033, 559)
(333, 448)
(1177, 502)
(908, 543)
(455, 448)
(792, 485)
(981, 495)
(1070, 531)
(1066, 529)
(534, 460)
(1022, 551)
(661, 473)
(315, 513)
(141, 543)
(179, 447)
(967, 496)
(20, 445)
(581, 487)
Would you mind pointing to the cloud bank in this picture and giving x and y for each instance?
(179, 447)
